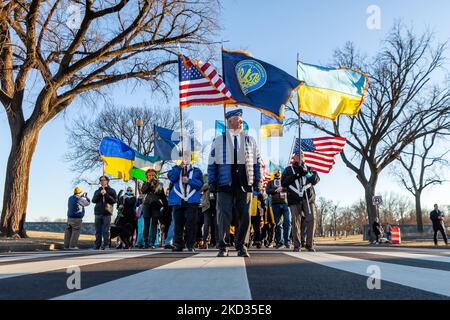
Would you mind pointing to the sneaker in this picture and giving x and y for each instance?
(152, 247)
(204, 246)
(223, 253)
(296, 250)
(287, 246)
(269, 245)
(310, 249)
(243, 253)
(168, 246)
(278, 246)
(176, 249)
(258, 246)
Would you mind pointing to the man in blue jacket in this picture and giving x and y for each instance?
(75, 213)
(185, 198)
(234, 172)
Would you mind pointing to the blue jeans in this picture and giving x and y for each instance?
(102, 225)
(282, 210)
(169, 236)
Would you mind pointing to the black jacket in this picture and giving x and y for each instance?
(155, 199)
(276, 196)
(289, 177)
(435, 218)
(128, 212)
(376, 228)
(104, 204)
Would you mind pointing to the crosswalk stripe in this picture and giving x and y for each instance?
(407, 255)
(20, 269)
(200, 277)
(35, 256)
(435, 281)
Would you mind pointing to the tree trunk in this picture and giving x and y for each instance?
(371, 209)
(419, 212)
(15, 198)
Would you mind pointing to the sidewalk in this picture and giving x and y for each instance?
(41, 241)
(358, 241)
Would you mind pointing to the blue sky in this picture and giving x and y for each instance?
(273, 31)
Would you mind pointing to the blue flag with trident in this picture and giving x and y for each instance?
(256, 83)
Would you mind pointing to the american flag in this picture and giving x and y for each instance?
(265, 176)
(200, 84)
(320, 153)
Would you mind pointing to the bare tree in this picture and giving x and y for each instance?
(419, 168)
(401, 105)
(323, 211)
(115, 40)
(84, 135)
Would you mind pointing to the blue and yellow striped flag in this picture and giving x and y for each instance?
(330, 92)
(270, 126)
(118, 156)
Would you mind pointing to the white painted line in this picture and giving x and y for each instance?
(416, 256)
(20, 269)
(435, 281)
(200, 277)
(36, 256)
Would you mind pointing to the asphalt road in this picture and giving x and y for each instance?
(331, 273)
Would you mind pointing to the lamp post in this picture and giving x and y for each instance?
(139, 124)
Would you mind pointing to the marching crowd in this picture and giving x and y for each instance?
(231, 207)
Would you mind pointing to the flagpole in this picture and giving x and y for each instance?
(300, 135)
(225, 104)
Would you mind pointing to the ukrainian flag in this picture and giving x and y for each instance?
(118, 157)
(270, 126)
(330, 92)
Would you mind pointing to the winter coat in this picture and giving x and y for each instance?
(295, 179)
(192, 195)
(155, 200)
(104, 203)
(221, 160)
(277, 197)
(76, 205)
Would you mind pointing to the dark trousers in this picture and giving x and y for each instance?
(298, 211)
(102, 225)
(256, 221)
(440, 229)
(233, 207)
(210, 226)
(185, 220)
(268, 233)
(199, 225)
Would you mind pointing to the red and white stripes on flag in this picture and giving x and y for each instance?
(320, 153)
(200, 84)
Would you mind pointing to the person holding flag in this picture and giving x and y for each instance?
(234, 172)
(185, 198)
(299, 180)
